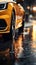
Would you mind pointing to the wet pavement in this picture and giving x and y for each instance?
(27, 56)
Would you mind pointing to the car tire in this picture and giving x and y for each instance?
(12, 36)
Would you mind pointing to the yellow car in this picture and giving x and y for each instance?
(11, 16)
(8, 11)
(11, 19)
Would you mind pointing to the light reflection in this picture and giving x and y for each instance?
(34, 32)
(18, 47)
(33, 46)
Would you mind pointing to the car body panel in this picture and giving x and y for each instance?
(6, 14)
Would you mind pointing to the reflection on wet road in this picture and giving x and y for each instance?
(25, 51)
(28, 56)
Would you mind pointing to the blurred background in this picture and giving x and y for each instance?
(25, 45)
(28, 52)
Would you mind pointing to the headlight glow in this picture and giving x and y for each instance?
(34, 8)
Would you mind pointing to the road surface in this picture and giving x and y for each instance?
(25, 52)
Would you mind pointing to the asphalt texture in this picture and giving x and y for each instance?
(28, 56)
